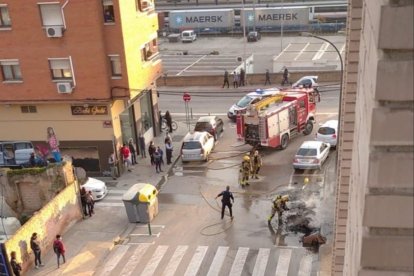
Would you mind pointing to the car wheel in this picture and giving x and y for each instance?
(285, 141)
(308, 128)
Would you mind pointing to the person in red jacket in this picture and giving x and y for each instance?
(59, 249)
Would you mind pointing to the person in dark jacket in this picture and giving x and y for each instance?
(59, 249)
(168, 150)
(242, 77)
(285, 76)
(225, 201)
(90, 203)
(168, 118)
(141, 143)
(35, 246)
(84, 202)
(226, 79)
(16, 267)
(133, 151)
(151, 150)
(158, 159)
(267, 81)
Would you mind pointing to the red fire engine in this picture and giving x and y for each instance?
(274, 120)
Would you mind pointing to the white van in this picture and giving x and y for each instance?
(188, 36)
(15, 153)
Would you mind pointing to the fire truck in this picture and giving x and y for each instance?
(273, 121)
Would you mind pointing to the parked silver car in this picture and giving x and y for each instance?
(311, 155)
(197, 146)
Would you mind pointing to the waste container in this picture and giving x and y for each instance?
(141, 203)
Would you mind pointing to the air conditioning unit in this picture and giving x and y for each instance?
(64, 87)
(54, 31)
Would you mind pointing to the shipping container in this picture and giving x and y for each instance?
(272, 17)
(220, 19)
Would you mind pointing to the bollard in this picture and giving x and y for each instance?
(149, 229)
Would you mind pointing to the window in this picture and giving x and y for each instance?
(51, 15)
(28, 109)
(10, 70)
(150, 50)
(5, 21)
(115, 66)
(108, 11)
(60, 69)
(144, 5)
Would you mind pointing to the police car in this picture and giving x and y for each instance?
(251, 98)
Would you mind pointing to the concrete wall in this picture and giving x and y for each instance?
(252, 79)
(379, 225)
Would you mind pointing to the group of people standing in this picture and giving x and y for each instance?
(238, 78)
(250, 167)
(58, 248)
(157, 154)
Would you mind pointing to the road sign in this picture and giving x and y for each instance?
(186, 97)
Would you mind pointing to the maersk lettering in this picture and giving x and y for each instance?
(277, 17)
(204, 19)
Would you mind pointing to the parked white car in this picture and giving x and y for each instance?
(307, 81)
(311, 155)
(197, 146)
(328, 133)
(98, 188)
(248, 99)
(188, 36)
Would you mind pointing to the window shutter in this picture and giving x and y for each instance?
(51, 14)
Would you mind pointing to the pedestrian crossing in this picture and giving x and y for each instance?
(165, 260)
(112, 199)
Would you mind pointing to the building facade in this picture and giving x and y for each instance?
(86, 68)
(374, 214)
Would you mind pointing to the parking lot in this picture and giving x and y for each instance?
(299, 53)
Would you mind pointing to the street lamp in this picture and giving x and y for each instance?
(342, 75)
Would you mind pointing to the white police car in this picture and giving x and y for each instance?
(252, 97)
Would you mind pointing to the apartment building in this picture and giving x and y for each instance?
(85, 68)
(374, 214)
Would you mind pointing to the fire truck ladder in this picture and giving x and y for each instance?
(267, 101)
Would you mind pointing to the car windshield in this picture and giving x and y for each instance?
(306, 152)
(201, 126)
(244, 101)
(191, 145)
(326, 130)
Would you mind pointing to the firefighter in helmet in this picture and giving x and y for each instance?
(256, 164)
(279, 206)
(245, 170)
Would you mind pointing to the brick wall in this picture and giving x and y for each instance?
(54, 218)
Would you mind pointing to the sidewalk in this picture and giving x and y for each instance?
(90, 240)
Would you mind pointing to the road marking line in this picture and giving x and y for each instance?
(156, 235)
(113, 197)
(195, 262)
(237, 267)
(109, 204)
(135, 243)
(283, 262)
(154, 261)
(175, 260)
(301, 51)
(111, 264)
(116, 191)
(305, 266)
(218, 261)
(261, 262)
(192, 64)
(134, 259)
(152, 226)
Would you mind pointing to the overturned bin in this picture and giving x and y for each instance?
(141, 203)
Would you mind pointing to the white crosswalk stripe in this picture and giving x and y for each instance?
(261, 262)
(218, 261)
(125, 260)
(112, 199)
(154, 261)
(175, 260)
(239, 261)
(196, 261)
(111, 264)
(134, 259)
(283, 262)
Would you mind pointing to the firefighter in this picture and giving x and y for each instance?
(245, 170)
(256, 164)
(279, 206)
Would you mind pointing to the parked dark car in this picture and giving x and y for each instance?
(211, 124)
(253, 36)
